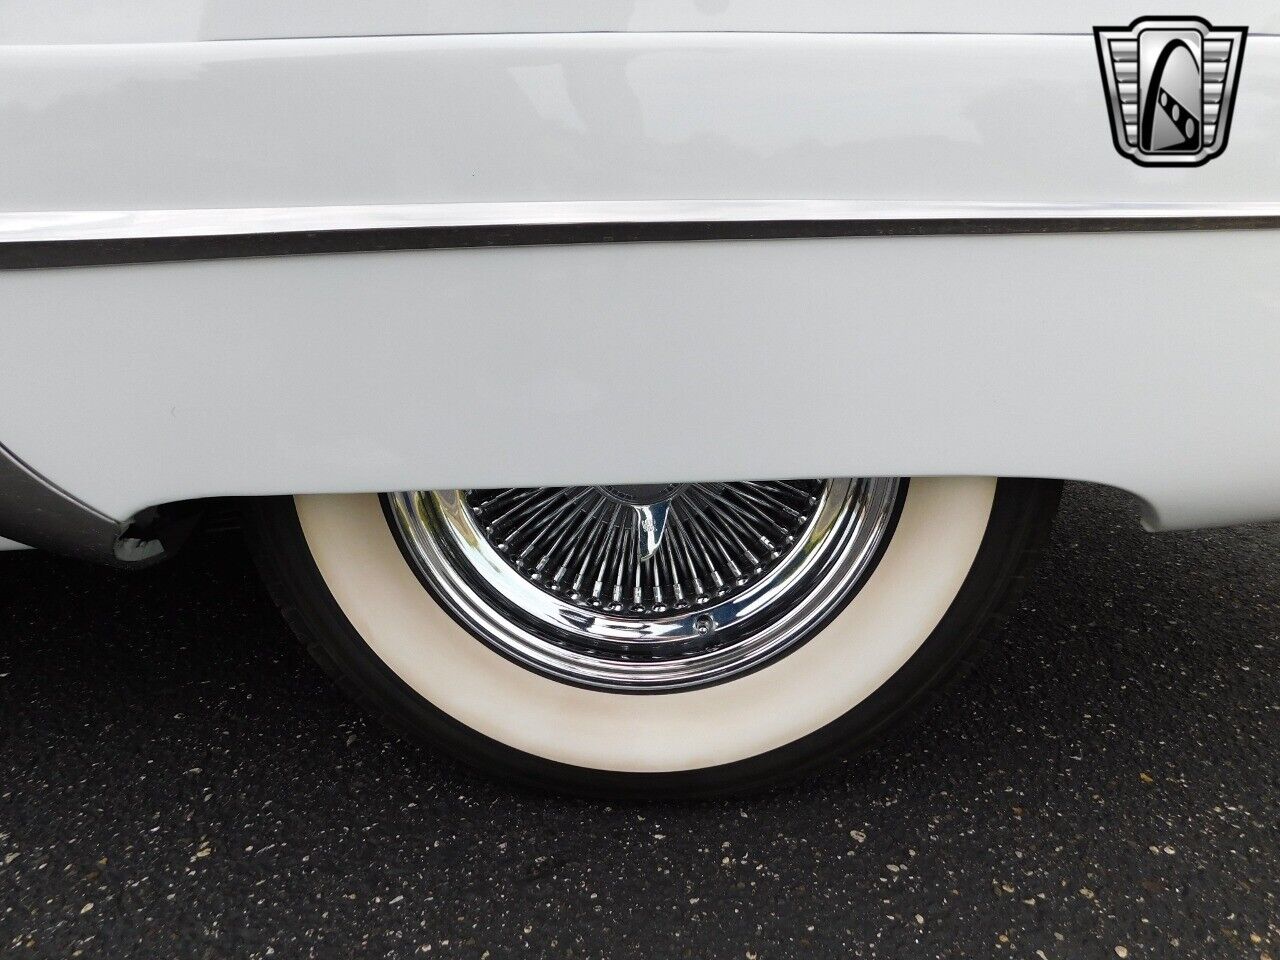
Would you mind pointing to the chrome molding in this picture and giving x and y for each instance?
(85, 238)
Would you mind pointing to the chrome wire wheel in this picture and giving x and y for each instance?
(647, 588)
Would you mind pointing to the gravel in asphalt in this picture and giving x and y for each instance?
(178, 780)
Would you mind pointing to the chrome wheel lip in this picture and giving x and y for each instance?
(665, 652)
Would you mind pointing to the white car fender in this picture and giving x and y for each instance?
(355, 263)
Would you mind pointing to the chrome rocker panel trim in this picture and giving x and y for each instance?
(88, 238)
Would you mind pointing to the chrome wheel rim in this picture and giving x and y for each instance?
(646, 588)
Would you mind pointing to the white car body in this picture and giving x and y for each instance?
(1005, 295)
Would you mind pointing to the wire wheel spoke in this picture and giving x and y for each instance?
(588, 546)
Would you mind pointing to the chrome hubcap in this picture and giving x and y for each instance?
(650, 586)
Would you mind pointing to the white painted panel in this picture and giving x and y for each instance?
(124, 21)
(593, 117)
(1143, 360)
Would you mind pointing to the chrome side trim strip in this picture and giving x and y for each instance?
(84, 238)
(35, 512)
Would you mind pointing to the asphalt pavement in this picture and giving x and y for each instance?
(178, 780)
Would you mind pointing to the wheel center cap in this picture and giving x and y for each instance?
(651, 503)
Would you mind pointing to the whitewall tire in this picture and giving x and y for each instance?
(341, 572)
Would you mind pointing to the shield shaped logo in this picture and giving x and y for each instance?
(1170, 85)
